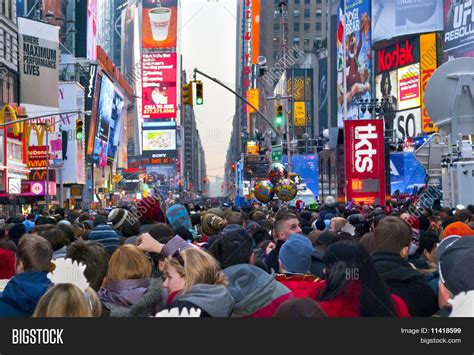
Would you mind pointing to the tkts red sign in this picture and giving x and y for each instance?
(365, 161)
(399, 55)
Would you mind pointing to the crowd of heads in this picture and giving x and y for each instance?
(336, 260)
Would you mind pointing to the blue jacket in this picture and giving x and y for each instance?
(22, 293)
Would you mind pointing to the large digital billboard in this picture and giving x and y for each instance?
(159, 140)
(391, 18)
(409, 87)
(159, 23)
(116, 125)
(365, 161)
(159, 85)
(104, 117)
(458, 32)
(355, 57)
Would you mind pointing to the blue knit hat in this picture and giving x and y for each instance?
(178, 216)
(295, 254)
(29, 225)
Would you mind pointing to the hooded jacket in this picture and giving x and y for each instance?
(256, 293)
(301, 285)
(212, 300)
(403, 280)
(22, 293)
(147, 305)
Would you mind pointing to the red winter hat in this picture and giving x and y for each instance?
(458, 228)
(7, 264)
(413, 222)
(150, 210)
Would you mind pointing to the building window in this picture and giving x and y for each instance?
(4, 44)
(297, 2)
(307, 13)
(318, 13)
(307, 1)
(297, 13)
(318, 1)
(306, 41)
(276, 26)
(296, 26)
(276, 55)
(318, 26)
(10, 48)
(296, 40)
(307, 26)
(3, 6)
(10, 6)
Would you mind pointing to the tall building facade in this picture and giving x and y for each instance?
(8, 52)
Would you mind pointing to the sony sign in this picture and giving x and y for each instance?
(401, 54)
(364, 149)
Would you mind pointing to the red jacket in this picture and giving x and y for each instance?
(301, 285)
(347, 304)
(269, 310)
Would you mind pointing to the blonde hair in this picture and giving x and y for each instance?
(338, 223)
(64, 300)
(127, 263)
(199, 268)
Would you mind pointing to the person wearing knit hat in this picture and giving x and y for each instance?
(212, 224)
(104, 234)
(177, 216)
(295, 255)
(295, 262)
(458, 228)
(455, 265)
(319, 225)
(29, 225)
(149, 211)
(117, 216)
(217, 212)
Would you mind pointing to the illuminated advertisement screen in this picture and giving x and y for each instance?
(159, 85)
(92, 29)
(159, 140)
(386, 90)
(104, 120)
(358, 58)
(116, 125)
(458, 34)
(399, 18)
(365, 161)
(409, 87)
(159, 23)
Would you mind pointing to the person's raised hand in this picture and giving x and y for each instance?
(147, 243)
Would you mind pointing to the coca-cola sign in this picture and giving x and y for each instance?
(365, 161)
(399, 55)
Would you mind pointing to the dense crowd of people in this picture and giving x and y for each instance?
(145, 259)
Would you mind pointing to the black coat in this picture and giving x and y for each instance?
(317, 265)
(272, 259)
(404, 281)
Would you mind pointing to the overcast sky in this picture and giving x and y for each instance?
(208, 43)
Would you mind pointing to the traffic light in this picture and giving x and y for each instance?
(233, 167)
(188, 94)
(199, 93)
(279, 120)
(79, 129)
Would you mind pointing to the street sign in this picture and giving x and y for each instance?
(277, 154)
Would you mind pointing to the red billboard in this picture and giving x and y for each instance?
(159, 85)
(365, 161)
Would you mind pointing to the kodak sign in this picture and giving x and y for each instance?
(399, 55)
